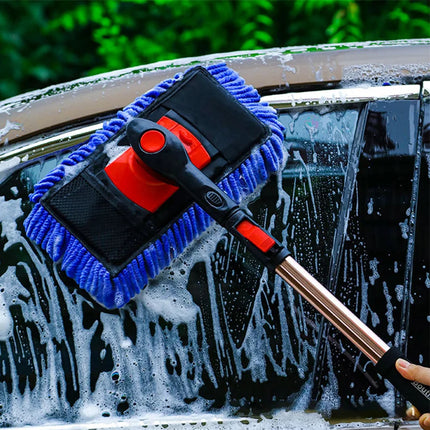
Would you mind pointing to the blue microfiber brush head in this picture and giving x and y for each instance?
(113, 266)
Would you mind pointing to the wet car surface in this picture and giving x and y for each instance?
(217, 332)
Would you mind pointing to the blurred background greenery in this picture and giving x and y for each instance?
(51, 41)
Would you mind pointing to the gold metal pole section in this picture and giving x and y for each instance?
(332, 309)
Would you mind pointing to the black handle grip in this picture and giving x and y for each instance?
(171, 161)
(418, 394)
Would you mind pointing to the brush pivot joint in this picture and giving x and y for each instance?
(157, 147)
(169, 158)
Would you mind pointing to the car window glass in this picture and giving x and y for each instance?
(418, 314)
(373, 257)
(349, 172)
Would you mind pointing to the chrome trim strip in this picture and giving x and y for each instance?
(51, 144)
(342, 96)
(205, 421)
(426, 89)
(278, 101)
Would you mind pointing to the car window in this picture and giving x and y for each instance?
(216, 328)
(372, 261)
(418, 311)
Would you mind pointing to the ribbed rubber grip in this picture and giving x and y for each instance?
(418, 394)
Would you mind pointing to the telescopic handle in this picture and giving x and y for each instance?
(355, 330)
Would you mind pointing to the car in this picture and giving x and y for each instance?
(216, 340)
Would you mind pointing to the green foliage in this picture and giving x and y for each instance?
(346, 25)
(44, 42)
(128, 33)
(32, 56)
(411, 18)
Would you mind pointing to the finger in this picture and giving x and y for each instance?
(413, 372)
(412, 413)
(425, 421)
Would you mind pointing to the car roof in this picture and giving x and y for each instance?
(278, 69)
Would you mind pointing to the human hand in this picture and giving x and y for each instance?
(421, 374)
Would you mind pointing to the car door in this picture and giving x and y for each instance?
(216, 328)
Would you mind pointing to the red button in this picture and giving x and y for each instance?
(255, 235)
(152, 141)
